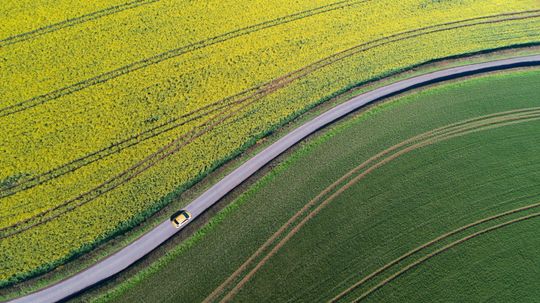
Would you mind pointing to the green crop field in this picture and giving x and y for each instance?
(427, 197)
(110, 109)
(498, 267)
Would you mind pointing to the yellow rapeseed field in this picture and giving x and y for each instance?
(108, 108)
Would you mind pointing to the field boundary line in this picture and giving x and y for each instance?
(357, 178)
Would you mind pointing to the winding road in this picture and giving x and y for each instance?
(151, 240)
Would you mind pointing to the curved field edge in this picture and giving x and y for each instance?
(422, 68)
(245, 197)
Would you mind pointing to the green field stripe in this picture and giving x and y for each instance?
(72, 22)
(443, 249)
(35, 101)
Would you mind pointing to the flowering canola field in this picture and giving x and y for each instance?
(109, 108)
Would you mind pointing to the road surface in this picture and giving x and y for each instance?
(149, 241)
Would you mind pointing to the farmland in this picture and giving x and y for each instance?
(107, 116)
(473, 172)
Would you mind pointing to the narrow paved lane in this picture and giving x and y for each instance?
(148, 242)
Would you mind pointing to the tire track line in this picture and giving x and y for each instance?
(72, 22)
(67, 90)
(116, 147)
(427, 245)
(494, 217)
(415, 33)
(127, 175)
(443, 249)
(313, 213)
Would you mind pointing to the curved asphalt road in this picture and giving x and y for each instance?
(148, 242)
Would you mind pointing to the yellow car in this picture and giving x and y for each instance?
(180, 218)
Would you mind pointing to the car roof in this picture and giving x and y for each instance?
(178, 213)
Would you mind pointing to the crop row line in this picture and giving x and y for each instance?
(72, 22)
(104, 77)
(378, 160)
(278, 82)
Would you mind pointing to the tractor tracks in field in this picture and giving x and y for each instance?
(169, 125)
(125, 176)
(260, 91)
(73, 21)
(41, 99)
(137, 65)
(118, 146)
(185, 139)
(444, 249)
(233, 284)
